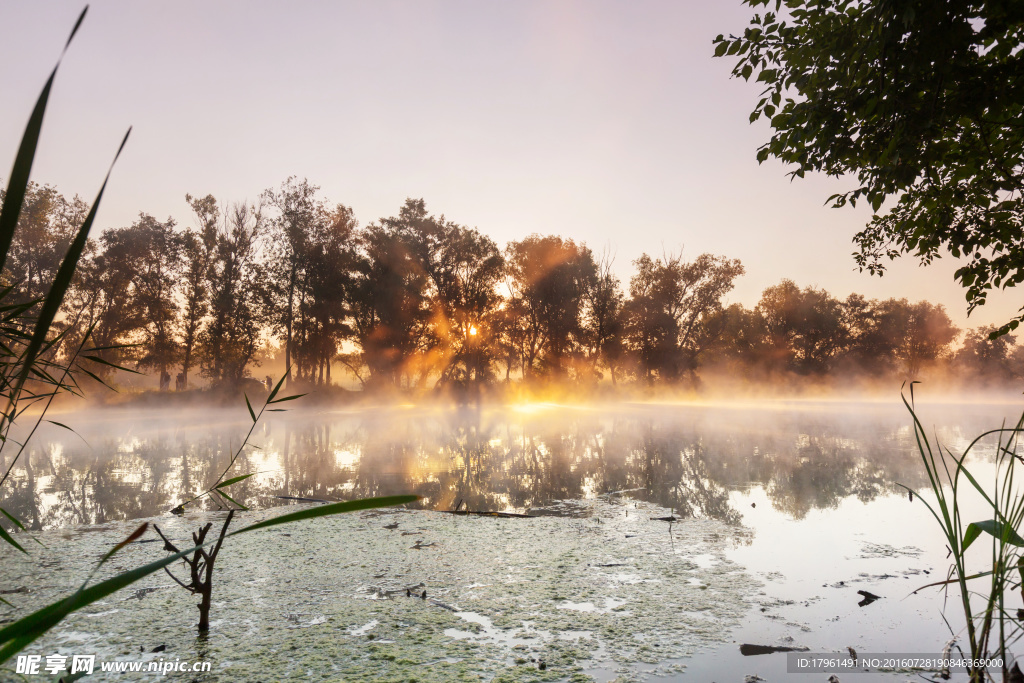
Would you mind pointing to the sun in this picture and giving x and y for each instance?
(472, 330)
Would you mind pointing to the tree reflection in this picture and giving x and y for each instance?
(690, 460)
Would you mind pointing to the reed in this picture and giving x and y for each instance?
(990, 626)
(29, 373)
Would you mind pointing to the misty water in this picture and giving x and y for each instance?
(784, 510)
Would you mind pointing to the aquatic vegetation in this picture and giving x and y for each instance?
(993, 627)
(201, 562)
(605, 590)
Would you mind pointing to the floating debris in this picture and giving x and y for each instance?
(484, 513)
(868, 598)
(748, 650)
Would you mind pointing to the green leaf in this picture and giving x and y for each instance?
(22, 632)
(1001, 531)
(234, 480)
(277, 387)
(221, 492)
(13, 519)
(332, 509)
(61, 424)
(17, 186)
(131, 537)
(6, 536)
(286, 398)
(97, 359)
(248, 405)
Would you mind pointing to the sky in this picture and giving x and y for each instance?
(605, 122)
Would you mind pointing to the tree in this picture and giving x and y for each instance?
(650, 329)
(47, 224)
(922, 103)
(603, 320)
(465, 268)
(737, 340)
(390, 295)
(920, 333)
(982, 359)
(198, 248)
(107, 294)
(805, 328)
(158, 251)
(238, 303)
(549, 277)
(327, 282)
(870, 344)
(297, 211)
(670, 301)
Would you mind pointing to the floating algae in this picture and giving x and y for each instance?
(541, 599)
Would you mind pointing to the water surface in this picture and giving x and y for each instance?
(784, 511)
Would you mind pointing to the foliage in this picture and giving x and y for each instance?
(921, 103)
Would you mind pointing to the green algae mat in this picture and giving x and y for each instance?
(584, 590)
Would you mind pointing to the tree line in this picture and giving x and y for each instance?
(415, 301)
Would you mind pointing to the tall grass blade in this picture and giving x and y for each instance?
(16, 636)
(234, 480)
(6, 536)
(63, 279)
(17, 186)
(332, 509)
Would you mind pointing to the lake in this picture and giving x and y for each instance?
(661, 538)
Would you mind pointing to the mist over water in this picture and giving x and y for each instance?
(781, 511)
(125, 464)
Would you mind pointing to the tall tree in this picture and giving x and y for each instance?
(465, 269)
(158, 269)
(198, 248)
(297, 212)
(603, 318)
(922, 103)
(670, 301)
(391, 298)
(107, 296)
(549, 277)
(326, 287)
(238, 303)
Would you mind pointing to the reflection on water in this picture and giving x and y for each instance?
(805, 456)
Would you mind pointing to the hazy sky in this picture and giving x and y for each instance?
(606, 122)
